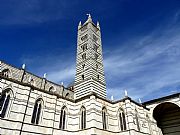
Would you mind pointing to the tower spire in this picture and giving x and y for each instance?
(89, 61)
(98, 26)
(79, 26)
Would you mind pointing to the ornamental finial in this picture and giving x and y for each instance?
(23, 66)
(98, 26)
(45, 75)
(126, 93)
(112, 97)
(140, 101)
(80, 23)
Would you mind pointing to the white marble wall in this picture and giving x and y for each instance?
(50, 116)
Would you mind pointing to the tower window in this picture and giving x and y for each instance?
(104, 121)
(4, 103)
(83, 118)
(37, 111)
(62, 118)
(82, 77)
(122, 120)
(84, 37)
(84, 47)
(84, 56)
(98, 77)
(83, 66)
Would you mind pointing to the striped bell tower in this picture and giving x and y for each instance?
(89, 61)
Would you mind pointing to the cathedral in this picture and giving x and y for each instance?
(33, 105)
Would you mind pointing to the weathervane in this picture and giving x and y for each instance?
(89, 15)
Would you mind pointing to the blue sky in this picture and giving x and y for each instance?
(141, 41)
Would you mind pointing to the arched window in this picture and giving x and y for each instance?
(122, 119)
(62, 118)
(137, 120)
(51, 89)
(83, 66)
(67, 94)
(104, 120)
(4, 102)
(83, 117)
(31, 81)
(5, 73)
(84, 37)
(37, 111)
(84, 47)
(84, 56)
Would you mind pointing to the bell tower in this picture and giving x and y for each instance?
(89, 61)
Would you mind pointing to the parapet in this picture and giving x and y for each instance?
(22, 76)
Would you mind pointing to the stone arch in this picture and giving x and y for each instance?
(167, 116)
(40, 97)
(9, 88)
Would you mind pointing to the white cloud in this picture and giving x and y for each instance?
(150, 65)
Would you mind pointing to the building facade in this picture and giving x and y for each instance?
(31, 105)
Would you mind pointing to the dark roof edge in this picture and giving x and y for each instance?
(109, 101)
(161, 98)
